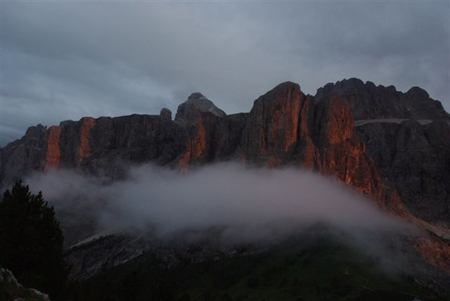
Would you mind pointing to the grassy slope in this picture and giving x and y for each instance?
(328, 272)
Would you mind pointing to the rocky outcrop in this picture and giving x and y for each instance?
(228, 136)
(52, 154)
(200, 117)
(166, 114)
(86, 126)
(368, 101)
(271, 131)
(437, 253)
(105, 252)
(335, 137)
(194, 106)
(23, 156)
(11, 289)
(104, 146)
(115, 143)
(407, 137)
(415, 161)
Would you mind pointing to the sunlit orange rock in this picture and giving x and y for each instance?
(196, 145)
(87, 123)
(434, 251)
(52, 155)
(200, 117)
(272, 126)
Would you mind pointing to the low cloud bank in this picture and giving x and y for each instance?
(247, 204)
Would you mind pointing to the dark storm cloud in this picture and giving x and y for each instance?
(68, 60)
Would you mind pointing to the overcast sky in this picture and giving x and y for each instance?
(95, 58)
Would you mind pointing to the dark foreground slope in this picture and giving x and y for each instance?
(10, 289)
(321, 269)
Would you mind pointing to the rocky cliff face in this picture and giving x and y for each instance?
(271, 131)
(199, 117)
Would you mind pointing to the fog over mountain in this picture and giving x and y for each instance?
(249, 204)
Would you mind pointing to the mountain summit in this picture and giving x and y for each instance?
(196, 103)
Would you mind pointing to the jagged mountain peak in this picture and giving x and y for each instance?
(283, 87)
(196, 103)
(287, 84)
(197, 95)
(418, 92)
(201, 103)
(166, 114)
(368, 101)
(284, 90)
(345, 86)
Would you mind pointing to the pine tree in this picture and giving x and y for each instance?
(31, 241)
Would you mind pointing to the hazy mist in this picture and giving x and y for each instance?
(248, 204)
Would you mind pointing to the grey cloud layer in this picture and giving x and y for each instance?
(253, 204)
(68, 60)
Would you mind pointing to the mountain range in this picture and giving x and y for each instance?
(391, 146)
